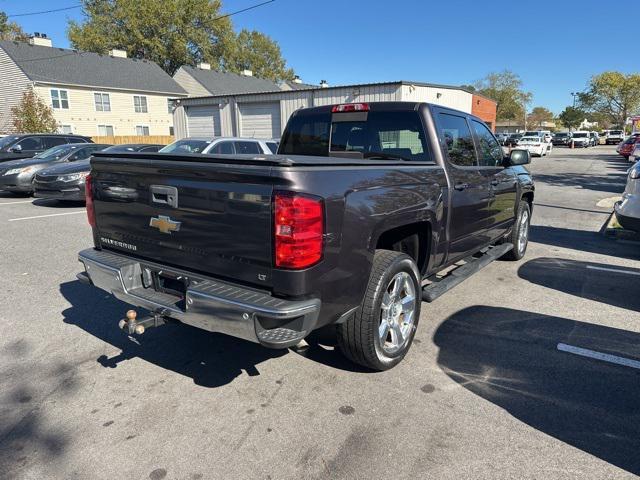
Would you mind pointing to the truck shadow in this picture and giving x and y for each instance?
(510, 358)
(586, 280)
(210, 359)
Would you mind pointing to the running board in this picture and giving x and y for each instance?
(460, 274)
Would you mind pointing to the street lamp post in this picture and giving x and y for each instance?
(574, 95)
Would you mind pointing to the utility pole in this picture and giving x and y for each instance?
(574, 95)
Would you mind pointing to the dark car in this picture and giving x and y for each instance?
(17, 175)
(14, 147)
(66, 181)
(366, 211)
(134, 147)
(561, 139)
(512, 140)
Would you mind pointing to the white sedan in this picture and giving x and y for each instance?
(628, 210)
(535, 145)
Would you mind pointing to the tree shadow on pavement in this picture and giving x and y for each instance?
(582, 240)
(586, 280)
(210, 359)
(510, 358)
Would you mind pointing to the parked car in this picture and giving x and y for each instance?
(17, 175)
(534, 144)
(14, 147)
(614, 137)
(220, 146)
(628, 210)
(512, 141)
(348, 226)
(626, 148)
(135, 147)
(561, 139)
(581, 139)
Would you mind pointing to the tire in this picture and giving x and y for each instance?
(523, 220)
(359, 337)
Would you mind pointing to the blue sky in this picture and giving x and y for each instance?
(555, 46)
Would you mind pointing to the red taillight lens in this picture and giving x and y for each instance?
(350, 107)
(299, 227)
(88, 196)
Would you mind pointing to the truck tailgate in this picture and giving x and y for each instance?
(212, 218)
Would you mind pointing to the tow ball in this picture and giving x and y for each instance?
(132, 325)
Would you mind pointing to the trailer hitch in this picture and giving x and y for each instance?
(132, 325)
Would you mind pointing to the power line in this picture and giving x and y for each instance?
(243, 10)
(44, 11)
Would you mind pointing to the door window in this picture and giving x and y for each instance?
(54, 141)
(224, 148)
(273, 146)
(457, 137)
(247, 148)
(490, 154)
(31, 143)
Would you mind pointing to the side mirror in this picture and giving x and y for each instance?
(519, 156)
(16, 149)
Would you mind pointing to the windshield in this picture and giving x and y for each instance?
(7, 140)
(561, 135)
(615, 132)
(55, 153)
(186, 146)
(580, 135)
(530, 139)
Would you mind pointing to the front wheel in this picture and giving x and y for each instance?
(380, 334)
(519, 235)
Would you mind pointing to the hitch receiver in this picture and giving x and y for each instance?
(132, 325)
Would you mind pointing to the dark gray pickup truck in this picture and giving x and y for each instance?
(366, 210)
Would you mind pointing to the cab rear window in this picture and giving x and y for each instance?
(376, 135)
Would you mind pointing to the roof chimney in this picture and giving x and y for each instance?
(324, 84)
(118, 53)
(40, 39)
(246, 73)
(204, 66)
(297, 79)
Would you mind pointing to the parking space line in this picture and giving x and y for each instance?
(44, 216)
(14, 203)
(604, 357)
(615, 270)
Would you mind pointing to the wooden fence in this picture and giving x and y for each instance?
(121, 139)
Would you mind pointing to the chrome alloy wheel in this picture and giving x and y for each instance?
(397, 313)
(523, 231)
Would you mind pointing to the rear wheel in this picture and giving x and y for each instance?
(380, 334)
(519, 235)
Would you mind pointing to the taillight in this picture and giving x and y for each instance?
(88, 196)
(299, 227)
(350, 107)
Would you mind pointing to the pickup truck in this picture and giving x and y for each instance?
(367, 210)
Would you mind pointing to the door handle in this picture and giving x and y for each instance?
(461, 186)
(164, 195)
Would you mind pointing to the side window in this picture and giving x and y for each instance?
(273, 146)
(490, 150)
(224, 148)
(31, 143)
(54, 141)
(247, 147)
(458, 140)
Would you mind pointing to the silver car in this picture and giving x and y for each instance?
(628, 210)
(223, 146)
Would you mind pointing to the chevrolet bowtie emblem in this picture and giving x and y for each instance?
(164, 224)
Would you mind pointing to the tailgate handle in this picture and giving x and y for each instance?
(164, 195)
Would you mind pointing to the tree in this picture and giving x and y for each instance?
(572, 117)
(613, 95)
(32, 115)
(257, 52)
(11, 30)
(173, 33)
(538, 116)
(506, 89)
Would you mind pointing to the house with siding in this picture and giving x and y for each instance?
(90, 94)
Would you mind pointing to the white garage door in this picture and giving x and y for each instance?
(259, 120)
(203, 121)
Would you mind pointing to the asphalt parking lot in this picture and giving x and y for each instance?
(499, 383)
